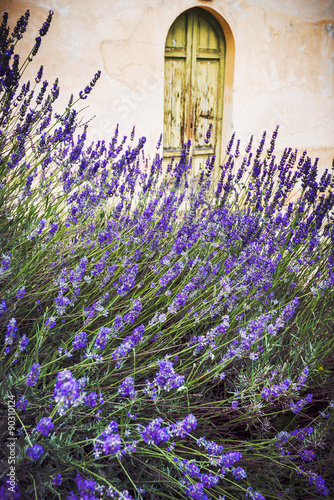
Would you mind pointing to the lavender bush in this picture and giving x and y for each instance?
(158, 341)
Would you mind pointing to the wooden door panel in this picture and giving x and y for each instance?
(205, 101)
(207, 40)
(174, 103)
(177, 35)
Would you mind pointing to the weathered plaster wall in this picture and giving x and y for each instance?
(280, 64)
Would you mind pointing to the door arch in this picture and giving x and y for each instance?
(193, 87)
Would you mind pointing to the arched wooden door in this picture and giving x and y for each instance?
(194, 82)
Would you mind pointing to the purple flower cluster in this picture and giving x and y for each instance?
(154, 433)
(133, 314)
(319, 483)
(5, 263)
(276, 390)
(57, 480)
(307, 455)
(45, 426)
(126, 388)
(33, 374)
(96, 308)
(3, 307)
(299, 405)
(130, 342)
(11, 334)
(112, 444)
(20, 293)
(212, 448)
(126, 281)
(239, 473)
(22, 403)
(196, 491)
(9, 492)
(86, 489)
(61, 303)
(50, 323)
(91, 399)
(191, 469)
(166, 378)
(209, 339)
(302, 433)
(254, 495)
(66, 392)
(112, 440)
(102, 337)
(34, 452)
(80, 340)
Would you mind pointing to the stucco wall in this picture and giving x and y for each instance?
(280, 64)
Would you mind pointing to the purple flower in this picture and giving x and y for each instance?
(302, 378)
(61, 303)
(86, 487)
(296, 407)
(239, 473)
(307, 455)
(79, 340)
(11, 334)
(126, 388)
(132, 315)
(34, 452)
(53, 230)
(57, 480)
(98, 443)
(254, 495)
(9, 494)
(211, 447)
(302, 433)
(154, 433)
(230, 458)
(183, 427)
(45, 28)
(22, 403)
(166, 376)
(128, 343)
(208, 134)
(117, 325)
(91, 399)
(126, 280)
(23, 342)
(102, 337)
(20, 293)
(3, 308)
(5, 263)
(66, 389)
(112, 444)
(33, 374)
(44, 426)
(319, 484)
(196, 491)
(50, 322)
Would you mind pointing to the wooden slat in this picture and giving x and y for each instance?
(207, 39)
(176, 38)
(174, 103)
(205, 101)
